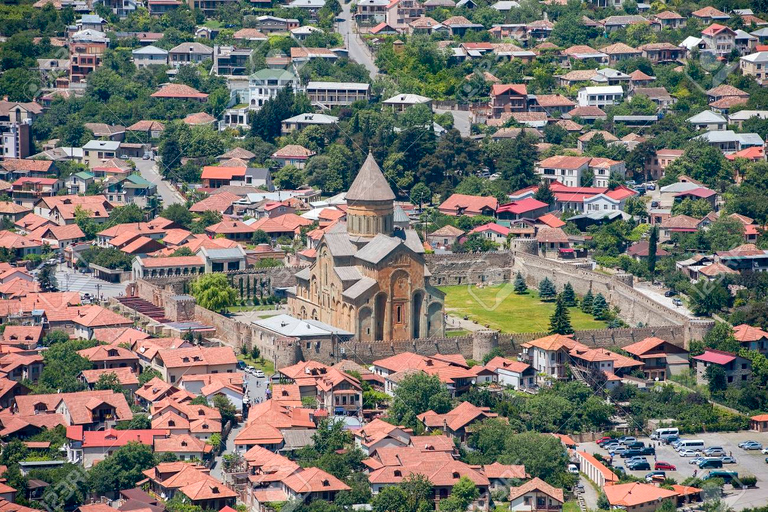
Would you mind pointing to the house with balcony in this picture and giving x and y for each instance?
(720, 40)
(455, 423)
(600, 96)
(509, 98)
(662, 53)
(334, 390)
(92, 410)
(28, 191)
(189, 53)
(661, 359)
(371, 12)
(86, 48)
(330, 94)
(149, 56)
(549, 356)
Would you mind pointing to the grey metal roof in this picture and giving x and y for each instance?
(378, 248)
(707, 117)
(339, 244)
(359, 288)
(303, 274)
(370, 184)
(348, 273)
(400, 215)
(224, 254)
(413, 242)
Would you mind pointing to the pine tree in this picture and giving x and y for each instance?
(520, 287)
(586, 302)
(560, 321)
(653, 242)
(569, 296)
(600, 307)
(547, 290)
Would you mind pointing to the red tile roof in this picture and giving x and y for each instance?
(720, 357)
(179, 91)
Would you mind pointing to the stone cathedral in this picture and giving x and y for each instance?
(369, 276)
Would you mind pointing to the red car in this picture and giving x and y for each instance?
(603, 440)
(665, 466)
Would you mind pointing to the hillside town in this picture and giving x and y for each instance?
(384, 255)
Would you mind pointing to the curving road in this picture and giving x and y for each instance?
(358, 51)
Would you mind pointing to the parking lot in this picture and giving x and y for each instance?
(747, 463)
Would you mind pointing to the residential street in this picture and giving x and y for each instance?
(460, 120)
(357, 49)
(148, 171)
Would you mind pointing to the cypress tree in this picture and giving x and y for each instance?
(653, 242)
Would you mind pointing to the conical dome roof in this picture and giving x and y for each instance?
(370, 184)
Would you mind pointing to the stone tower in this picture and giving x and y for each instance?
(370, 202)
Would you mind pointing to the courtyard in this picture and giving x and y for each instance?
(499, 307)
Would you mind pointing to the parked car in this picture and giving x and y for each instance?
(573, 469)
(752, 445)
(626, 440)
(741, 444)
(725, 475)
(636, 444)
(764, 450)
(671, 439)
(259, 374)
(241, 365)
(677, 302)
(695, 460)
(728, 460)
(665, 466)
(618, 451)
(650, 186)
(714, 451)
(648, 450)
(670, 293)
(711, 464)
(604, 440)
(655, 475)
(689, 453)
(639, 466)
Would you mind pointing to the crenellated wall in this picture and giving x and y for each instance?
(635, 308)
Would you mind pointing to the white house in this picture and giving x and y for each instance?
(149, 56)
(600, 96)
(708, 120)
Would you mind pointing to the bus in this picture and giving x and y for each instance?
(661, 434)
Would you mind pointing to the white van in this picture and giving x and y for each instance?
(690, 444)
(661, 434)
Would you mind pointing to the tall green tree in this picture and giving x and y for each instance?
(121, 470)
(560, 321)
(547, 290)
(653, 242)
(520, 286)
(569, 296)
(213, 291)
(600, 307)
(587, 302)
(416, 394)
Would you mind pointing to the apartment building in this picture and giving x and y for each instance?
(337, 93)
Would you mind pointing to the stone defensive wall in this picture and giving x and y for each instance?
(455, 269)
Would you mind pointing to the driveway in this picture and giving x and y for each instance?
(358, 51)
(148, 171)
(460, 120)
(748, 463)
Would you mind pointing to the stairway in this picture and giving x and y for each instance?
(144, 307)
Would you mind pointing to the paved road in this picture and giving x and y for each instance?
(148, 171)
(460, 120)
(358, 52)
(255, 389)
(590, 494)
(71, 281)
(656, 293)
(748, 463)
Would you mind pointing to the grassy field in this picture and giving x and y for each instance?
(501, 308)
(264, 365)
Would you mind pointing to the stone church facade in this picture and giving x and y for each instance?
(369, 277)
